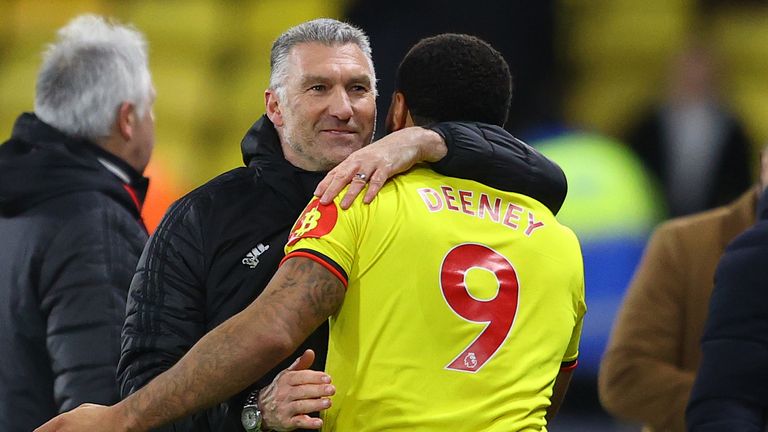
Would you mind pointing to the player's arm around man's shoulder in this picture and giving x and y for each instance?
(476, 151)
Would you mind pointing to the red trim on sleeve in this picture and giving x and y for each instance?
(571, 365)
(318, 260)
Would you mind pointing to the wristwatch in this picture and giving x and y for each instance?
(251, 415)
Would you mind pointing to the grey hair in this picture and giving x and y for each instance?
(94, 66)
(329, 32)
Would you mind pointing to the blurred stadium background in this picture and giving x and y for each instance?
(584, 67)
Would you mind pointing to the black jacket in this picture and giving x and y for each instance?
(71, 237)
(731, 388)
(218, 247)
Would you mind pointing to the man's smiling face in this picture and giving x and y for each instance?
(328, 108)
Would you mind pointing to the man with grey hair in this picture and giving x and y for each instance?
(71, 190)
(323, 30)
(218, 247)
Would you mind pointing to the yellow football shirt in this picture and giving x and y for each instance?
(463, 303)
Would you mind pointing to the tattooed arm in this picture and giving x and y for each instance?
(300, 296)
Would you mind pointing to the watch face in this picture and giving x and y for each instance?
(250, 418)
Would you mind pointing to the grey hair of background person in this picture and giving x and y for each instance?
(326, 31)
(93, 67)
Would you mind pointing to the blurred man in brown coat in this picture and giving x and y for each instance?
(653, 354)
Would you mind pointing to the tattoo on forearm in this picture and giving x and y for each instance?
(198, 381)
(300, 297)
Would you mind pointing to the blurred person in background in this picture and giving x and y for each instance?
(654, 351)
(218, 247)
(71, 191)
(694, 145)
(393, 337)
(730, 392)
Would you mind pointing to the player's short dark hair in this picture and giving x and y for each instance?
(452, 77)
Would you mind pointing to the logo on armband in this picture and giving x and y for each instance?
(316, 221)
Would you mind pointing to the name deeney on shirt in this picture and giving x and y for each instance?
(481, 206)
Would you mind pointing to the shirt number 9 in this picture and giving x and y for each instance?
(497, 313)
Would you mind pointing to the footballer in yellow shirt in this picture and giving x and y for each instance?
(463, 303)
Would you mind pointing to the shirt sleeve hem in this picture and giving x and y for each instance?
(569, 365)
(321, 259)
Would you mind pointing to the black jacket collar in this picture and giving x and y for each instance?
(40, 162)
(262, 151)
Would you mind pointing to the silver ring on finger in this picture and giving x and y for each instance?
(361, 177)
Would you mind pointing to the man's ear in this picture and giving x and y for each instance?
(126, 120)
(397, 117)
(273, 107)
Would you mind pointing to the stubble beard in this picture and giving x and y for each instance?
(301, 146)
(317, 160)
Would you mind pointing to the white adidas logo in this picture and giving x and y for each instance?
(252, 258)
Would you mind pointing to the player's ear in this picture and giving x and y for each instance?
(272, 104)
(398, 115)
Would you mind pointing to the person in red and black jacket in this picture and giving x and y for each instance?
(71, 190)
